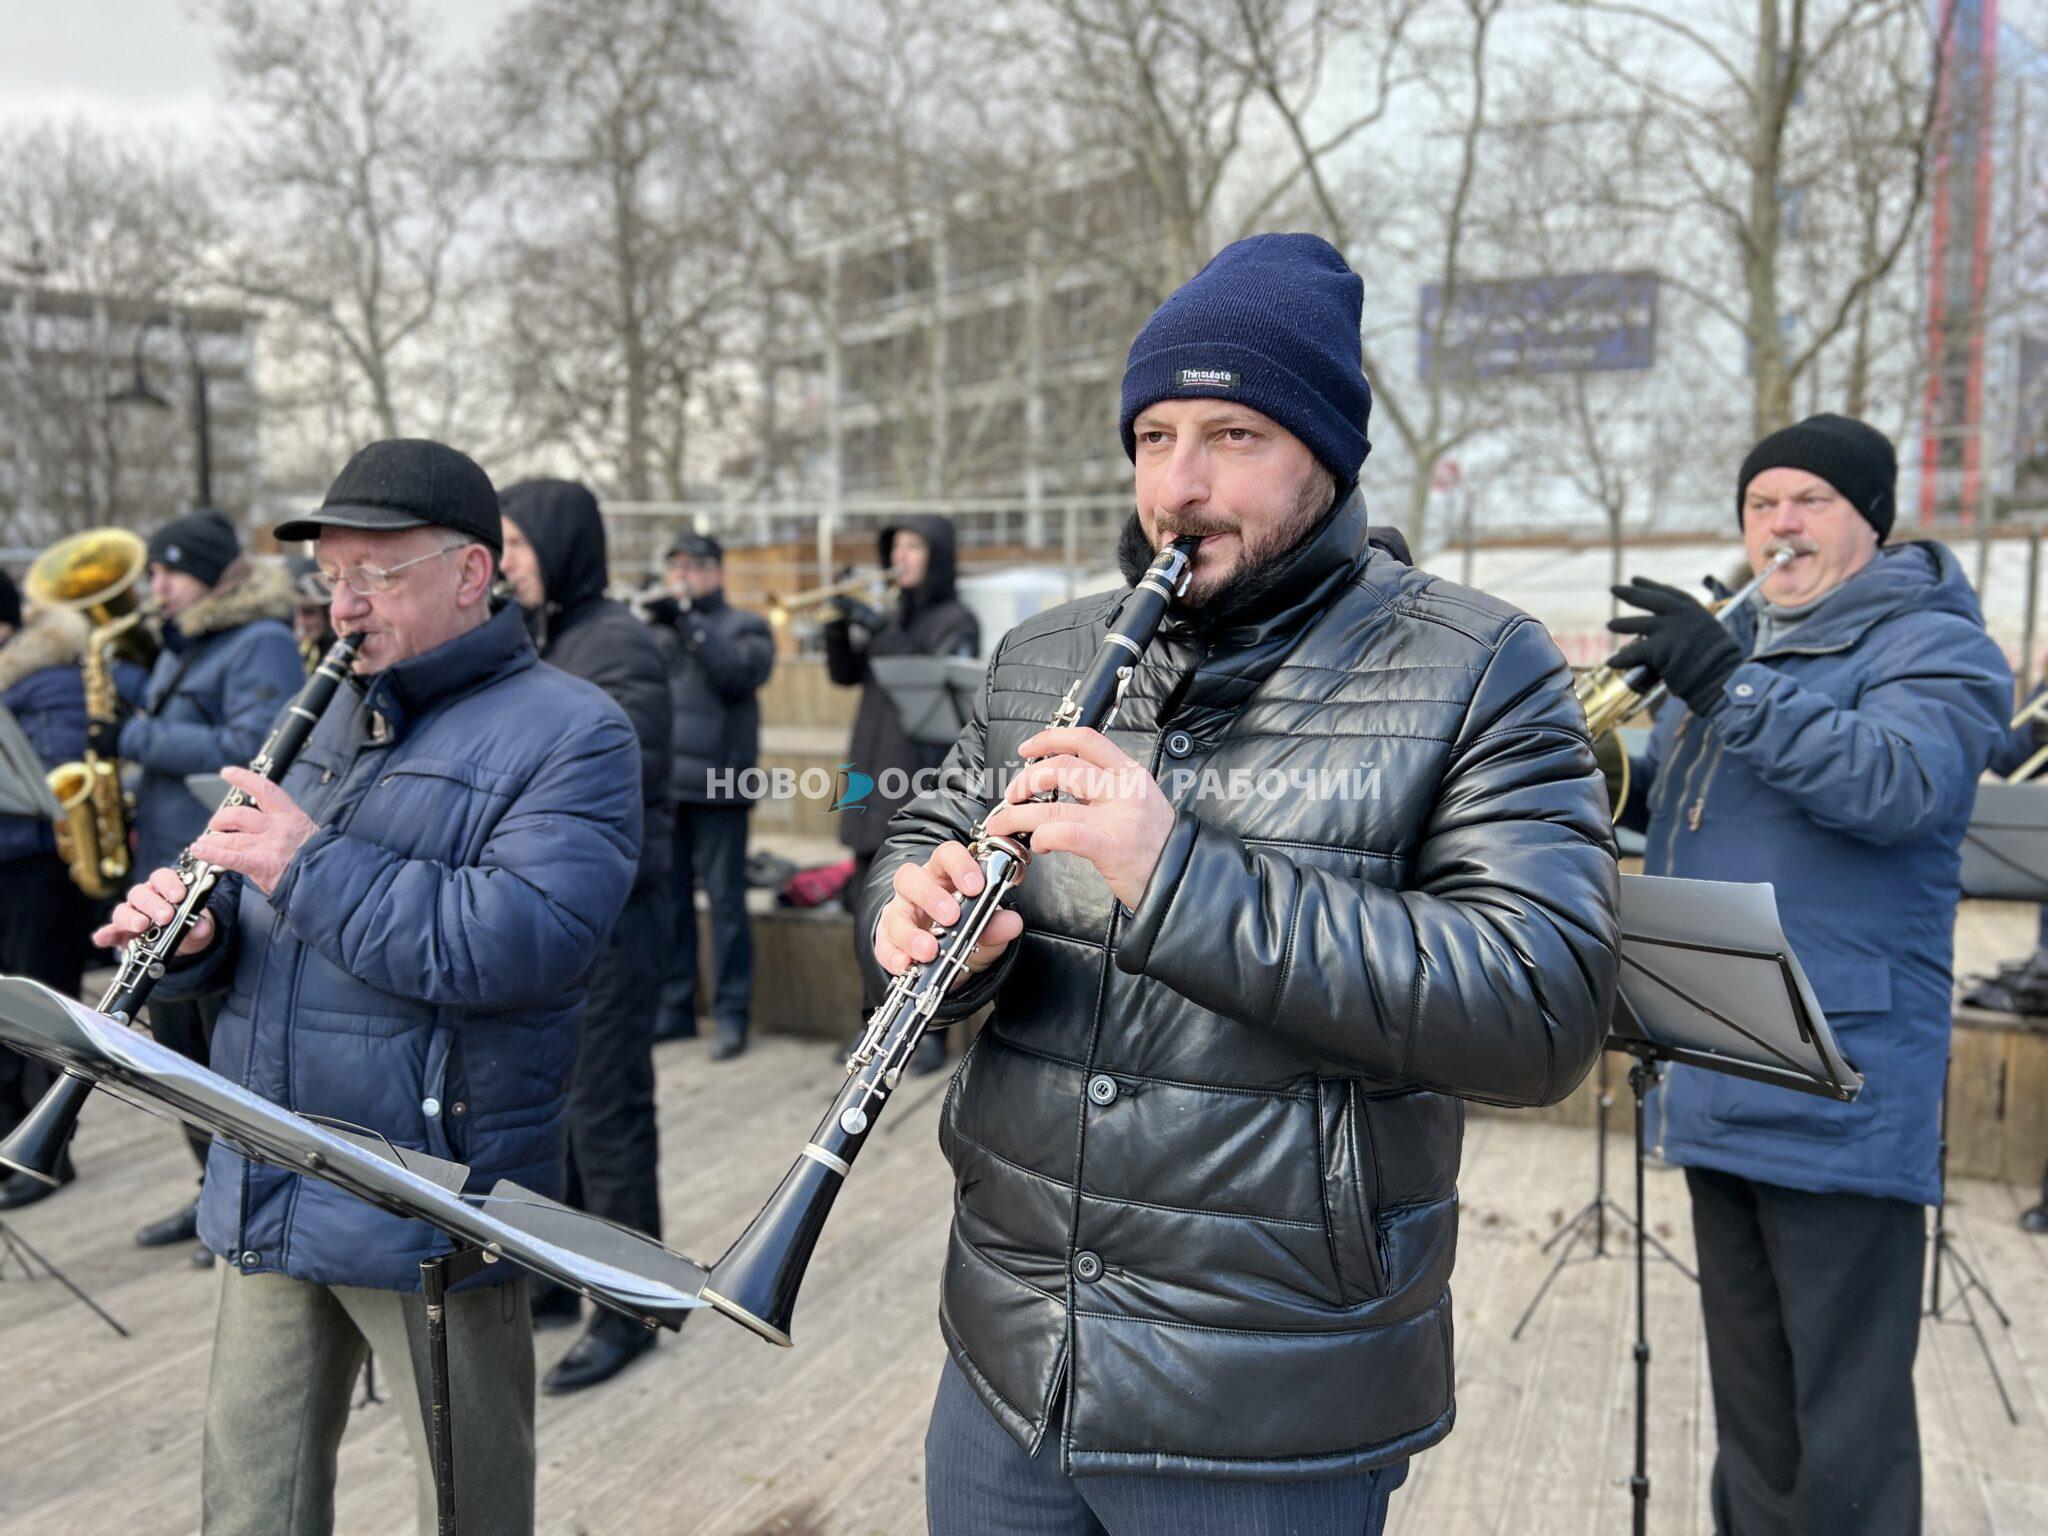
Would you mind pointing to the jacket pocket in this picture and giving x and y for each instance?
(1350, 1182)
(1855, 995)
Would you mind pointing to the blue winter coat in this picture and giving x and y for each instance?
(420, 969)
(228, 665)
(1840, 765)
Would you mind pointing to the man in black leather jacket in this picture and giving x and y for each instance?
(555, 562)
(1342, 861)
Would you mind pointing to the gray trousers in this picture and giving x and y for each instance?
(980, 1482)
(285, 1358)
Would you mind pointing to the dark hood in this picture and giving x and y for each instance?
(939, 578)
(561, 522)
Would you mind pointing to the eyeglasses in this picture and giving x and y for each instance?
(366, 580)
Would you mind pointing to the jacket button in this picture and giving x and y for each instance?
(430, 1107)
(1102, 1088)
(1087, 1268)
(1179, 744)
(1743, 690)
(458, 1108)
(251, 1259)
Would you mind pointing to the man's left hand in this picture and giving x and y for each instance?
(1682, 643)
(1115, 815)
(258, 840)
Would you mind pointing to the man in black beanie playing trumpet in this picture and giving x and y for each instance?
(1828, 742)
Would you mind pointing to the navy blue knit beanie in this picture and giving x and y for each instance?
(202, 543)
(1271, 322)
(1851, 455)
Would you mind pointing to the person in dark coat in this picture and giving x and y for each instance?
(1342, 859)
(719, 659)
(555, 563)
(45, 920)
(929, 620)
(406, 933)
(1828, 741)
(228, 665)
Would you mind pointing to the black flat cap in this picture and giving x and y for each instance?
(407, 482)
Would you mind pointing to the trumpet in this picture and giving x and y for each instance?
(2033, 764)
(878, 588)
(1609, 697)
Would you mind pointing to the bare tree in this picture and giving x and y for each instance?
(355, 181)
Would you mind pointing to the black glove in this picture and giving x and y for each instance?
(853, 611)
(665, 611)
(1683, 644)
(103, 737)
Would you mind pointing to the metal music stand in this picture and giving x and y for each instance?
(611, 1266)
(916, 687)
(2005, 847)
(1708, 980)
(1947, 1254)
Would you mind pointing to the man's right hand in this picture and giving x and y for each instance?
(155, 901)
(928, 892)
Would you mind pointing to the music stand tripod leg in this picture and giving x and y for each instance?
(1640, 1076)
(436, 1275)
(24, 1254)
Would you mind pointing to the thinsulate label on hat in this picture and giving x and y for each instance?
(1205, 378)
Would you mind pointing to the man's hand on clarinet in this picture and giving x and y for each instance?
(929, 892)
(257, 840)
(149, 904)
(1113, 814)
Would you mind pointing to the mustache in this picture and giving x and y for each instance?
(1797, 545)
(1190, 526)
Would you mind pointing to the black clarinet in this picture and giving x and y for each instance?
(38, 1142)
(757, 1281)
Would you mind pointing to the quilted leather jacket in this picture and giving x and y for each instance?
(1206, 1152)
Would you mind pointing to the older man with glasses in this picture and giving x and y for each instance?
(405, 939)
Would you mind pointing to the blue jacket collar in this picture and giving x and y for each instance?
(1921, 575)
(411, 688)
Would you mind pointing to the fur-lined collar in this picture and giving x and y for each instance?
(249, 589)
(51, 637)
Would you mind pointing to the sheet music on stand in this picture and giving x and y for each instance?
(2005, 847)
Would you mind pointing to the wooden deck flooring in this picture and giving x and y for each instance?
(719, 1434)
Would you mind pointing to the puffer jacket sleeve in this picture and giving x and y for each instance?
(260, 670)
(522, 923)
(736, 664)
(948, 813)
(633, 674)
(1490, 975)
(1898, 759)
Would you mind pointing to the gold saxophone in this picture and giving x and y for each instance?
(97, 573)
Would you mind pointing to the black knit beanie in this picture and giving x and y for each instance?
(202, 544)
(1852, 456)
(10, 600)
(1271, 322)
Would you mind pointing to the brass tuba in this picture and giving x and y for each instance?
(99, 574)
(1610, 698)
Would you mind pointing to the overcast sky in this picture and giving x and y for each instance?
(144, 64)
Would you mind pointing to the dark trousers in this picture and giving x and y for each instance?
(1812, 1307)
(612, 1138)
(186, 1026)
(980, 1482)
(711, 850)
(45, 928)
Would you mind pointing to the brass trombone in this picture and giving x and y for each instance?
(2032, 765)
(879, 583)
(1610, 697)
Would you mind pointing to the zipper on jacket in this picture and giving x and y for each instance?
(1684, 794)
(1698, 809)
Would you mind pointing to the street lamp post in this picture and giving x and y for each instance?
(138, 391)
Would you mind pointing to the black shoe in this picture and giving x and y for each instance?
(555, 1306)
(172, 1230)
(729, 1044)
(675, 1026)
(2035, 1220)
(19, 1189)
(607, 1347)
(929, 1057)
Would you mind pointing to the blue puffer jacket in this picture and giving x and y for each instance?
(41, 686)
(420, 969)
(229, 663)
(1840, 766)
